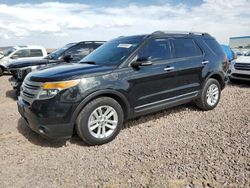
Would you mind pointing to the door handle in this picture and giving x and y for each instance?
(169, 68)
(205, 62)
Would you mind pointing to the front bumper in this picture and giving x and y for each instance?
(41, 126)
(238, 74)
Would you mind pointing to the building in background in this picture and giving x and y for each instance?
(239, 42)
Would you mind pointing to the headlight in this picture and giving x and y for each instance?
(48, 93)
(50, 89)
(231, 64)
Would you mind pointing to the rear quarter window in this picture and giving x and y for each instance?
(214, 46)
(186, 48)
(36, 53)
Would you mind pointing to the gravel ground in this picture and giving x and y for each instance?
(179, 147)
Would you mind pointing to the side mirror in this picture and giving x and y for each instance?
(14, 57)
(141, 61)
(68, 58)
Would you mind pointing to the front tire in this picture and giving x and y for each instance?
(100, 121)
(210, 95)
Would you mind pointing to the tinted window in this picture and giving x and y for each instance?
(60, 51)
(186, 48)
(214, 46)
(22, 53)
(79, 52)
(158, 49)
(36, 53)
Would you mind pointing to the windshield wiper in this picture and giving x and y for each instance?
(88, 62)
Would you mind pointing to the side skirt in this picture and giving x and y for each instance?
(164, 104)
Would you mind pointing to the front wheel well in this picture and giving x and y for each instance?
(124, 104)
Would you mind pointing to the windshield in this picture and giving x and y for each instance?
(59, 52)
(247, 54)
(113, 52)
(8, 51)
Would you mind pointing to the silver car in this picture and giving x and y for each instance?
(239, 69)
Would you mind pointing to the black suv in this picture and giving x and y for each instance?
(72, 52)
(124, 78)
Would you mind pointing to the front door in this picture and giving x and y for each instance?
(151, 85)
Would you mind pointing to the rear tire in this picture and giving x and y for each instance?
(233, 80)
(210, 95)
(100, 121)
(1, 71)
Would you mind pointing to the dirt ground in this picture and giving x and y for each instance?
(179, 147)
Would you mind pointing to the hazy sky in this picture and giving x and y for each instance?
(55, 23)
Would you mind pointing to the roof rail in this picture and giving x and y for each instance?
(94, 41)
(179, 32)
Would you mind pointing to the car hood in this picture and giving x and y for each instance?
(243, 59)
(17, 64)
(67, 72)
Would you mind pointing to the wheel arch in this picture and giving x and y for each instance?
(119, 97)
(219, 78)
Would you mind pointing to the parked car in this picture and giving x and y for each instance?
(229, 52)
(20, 52)
(124, 78)
(71, 52)
(239, 69)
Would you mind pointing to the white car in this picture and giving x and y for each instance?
(20, 52)
(239, 69)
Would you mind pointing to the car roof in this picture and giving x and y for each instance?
(167, 34)
(28, 47)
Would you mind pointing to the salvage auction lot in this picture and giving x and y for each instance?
(179, 147)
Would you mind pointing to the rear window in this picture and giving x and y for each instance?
(186, 48)
(214, 46)
(36, 53)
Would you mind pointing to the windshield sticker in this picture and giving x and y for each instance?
(124, 45)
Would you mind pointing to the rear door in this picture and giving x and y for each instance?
(188, 66)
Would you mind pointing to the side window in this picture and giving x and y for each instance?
(186, 48)
(22, 53)
(36, 53)
(79, 52)
(157, 49)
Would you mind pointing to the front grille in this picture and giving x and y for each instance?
(22, 73)
(242, 66)
(30, 90)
